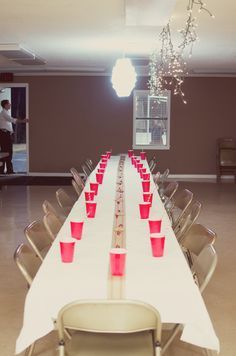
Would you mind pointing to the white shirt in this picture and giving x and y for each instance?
(6, 121)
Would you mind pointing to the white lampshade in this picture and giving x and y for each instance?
(123, 77)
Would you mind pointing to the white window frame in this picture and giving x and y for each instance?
(156, 146)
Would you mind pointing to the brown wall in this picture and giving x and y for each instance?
(72, 118)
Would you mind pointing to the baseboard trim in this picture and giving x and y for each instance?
(200, 177)
(176, 176)
(42, 174)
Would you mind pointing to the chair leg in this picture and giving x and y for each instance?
(175, 331)
(29, 351)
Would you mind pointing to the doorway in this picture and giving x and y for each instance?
(17, 94)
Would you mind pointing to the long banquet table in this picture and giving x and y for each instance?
(166, 283)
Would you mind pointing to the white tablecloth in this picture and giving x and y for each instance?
(165, 283)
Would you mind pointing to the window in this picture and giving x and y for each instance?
(151, 120)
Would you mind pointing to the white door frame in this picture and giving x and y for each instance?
(26, 86)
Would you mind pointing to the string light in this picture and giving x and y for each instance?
(169, 62)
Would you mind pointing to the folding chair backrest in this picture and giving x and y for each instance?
(165, 175)
(52, 224)
(153, 167)
(77, 177)
(76, 187)
(157, 178)
(204, 266)
(27, 261)
(38, 238)
(181, 201)
(188, 219)
(64, 200)
(197, 238)
(89, 165)
(169, 191)
(109, 316)
(86, 170)
(48, 207)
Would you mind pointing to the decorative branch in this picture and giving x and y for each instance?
(170, 62)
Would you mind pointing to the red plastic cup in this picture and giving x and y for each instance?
(130, 153)
(144, 210)
(104, 156)
(94, 187)
(147, 197)
(99, 178)
(139, 166)
(117, 261)
(146, 176)
(135, 163)
(155, 226)
(67, 251)
(138, 160)
(142, 171)
(102, 165)
(104, 160)
(158, 245)
(89, 196)
(91, 209)
(76, 229)
(146, 186)
(133, 159)
(143, 155)
(108, 154)
(101, 170)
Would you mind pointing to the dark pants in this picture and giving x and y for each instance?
(6, 146)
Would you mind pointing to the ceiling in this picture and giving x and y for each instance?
(89, 35)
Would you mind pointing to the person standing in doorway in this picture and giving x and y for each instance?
(6, 132)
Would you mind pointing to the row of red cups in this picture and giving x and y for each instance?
(157, 238)
(76, 227)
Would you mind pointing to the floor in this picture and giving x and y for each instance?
(19, 205)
